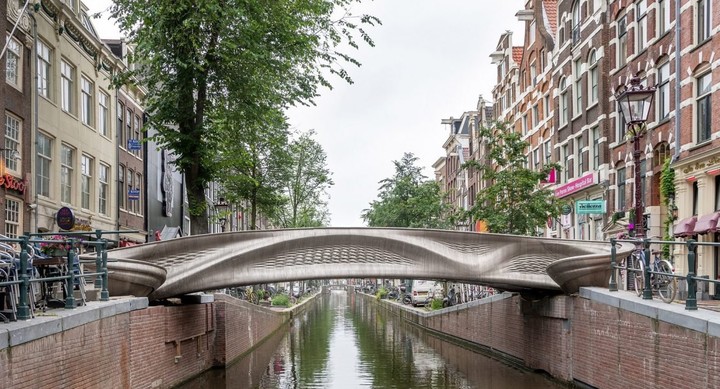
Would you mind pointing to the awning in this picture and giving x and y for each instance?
(685, 227)
(707, 223)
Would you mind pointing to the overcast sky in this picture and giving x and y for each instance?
(431, 61)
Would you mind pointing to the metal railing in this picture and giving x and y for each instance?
(692, 278)
(23, 311)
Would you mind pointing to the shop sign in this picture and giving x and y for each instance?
(65, 218)
(576, 185)
(10, 182)
(589, 207)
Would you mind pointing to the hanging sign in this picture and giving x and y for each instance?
(133, 194)
(65, 218)
(589, 207)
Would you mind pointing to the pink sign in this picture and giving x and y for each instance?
(577, 185)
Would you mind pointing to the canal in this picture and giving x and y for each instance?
(344, 341)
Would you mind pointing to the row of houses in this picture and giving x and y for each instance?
(72, 140)
(558, 88)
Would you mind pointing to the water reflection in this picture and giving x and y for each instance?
(345, 342)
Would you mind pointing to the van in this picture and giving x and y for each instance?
(422, 292)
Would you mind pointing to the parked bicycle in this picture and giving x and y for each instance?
(662, 280)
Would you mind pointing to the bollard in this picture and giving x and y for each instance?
(104, 294)
(691, 302)
(70, 281)
(98, 261)
(23, 309)
(613, 264)
(647, 290)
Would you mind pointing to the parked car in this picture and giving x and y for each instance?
(422, 291)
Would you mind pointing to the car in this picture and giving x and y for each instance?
(422, 292)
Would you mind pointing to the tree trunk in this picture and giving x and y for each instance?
(198, 207)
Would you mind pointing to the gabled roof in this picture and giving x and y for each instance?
(550, 14)
(517, 53)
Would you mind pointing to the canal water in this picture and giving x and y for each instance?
(344, 341)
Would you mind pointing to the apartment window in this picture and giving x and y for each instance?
(12, 218)
(86, 164)
(67, 77)
(704, 107)
(86, 101)
(67, 155)
(548, 151)
(579, 155)
(595, 132)
(695, 196)
(593, 77)
(43, 161)
(130, 185)
(643, 174)
(13, 62)
(535, 114)
(622, 41)
(578, 88)
(565, 157)
(622, 125)
(642, 25)
(704, 19)
(103, 113)
(663, 91)
(138, 186)
(531, 35)
(533, 73)
(546, 106)
(563, 102)
(136, 134)
(13, 131)
(664, 16)
(103, 176)
(524, 124)
(122, 194)
(542, 60)
(620, 182)
(43, 69)
(576, 20)
(536, 159)
(120, 127)
(128, 126)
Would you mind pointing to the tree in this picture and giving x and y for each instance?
(306, 185)
(197, 58)
(409, 199)
(514, 202)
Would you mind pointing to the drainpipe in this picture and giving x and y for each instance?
(118, 192)
(36, 126)
(676, 155)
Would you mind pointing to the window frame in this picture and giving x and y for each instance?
(703, 98)
(103, 124)
(703, 20)
(593, 78)
(67, 81)
(641, 16)
(43, 57)
(663, 90)
(67, 170)
(621, 33)
(87, 104)
(14, 57)
(103, 188)
(663, 17)
(13, 217)
(578, 107)
(122, 195)
(86, 181)
(43, 164)
(563, 111)
(13, 142)
(620, 180)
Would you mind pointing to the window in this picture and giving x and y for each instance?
(533, 73)
(642, 25)
(548, 151)
(531, 32)
(525, 124)
(86, 165)
(643, 175)
(67, 77)
(578, 88)
(13, 130)
(663, 16)
(565, 157)
(717, 193)
(576, 20)
(563, 102)
(622, 125)
(12, 218)
(595, 133)
(138, 186)
(13, 62)
(663, 91)
(546, 106)
(536, 159)
(44, 158)
(103, 173)
(542, 60)
(593, 78)
(43, 69)
(704, 19)
(86, 101)
(128, 126)
(103, 113)
(695, 195)
(136, 134)
(121, 187)
(130, 185)
(620, 181)
(579, 155)
(120, 128)
(622, 41)
(704, 107)
(535, 115)
(66, 173)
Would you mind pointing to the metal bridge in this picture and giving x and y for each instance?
(207, 262)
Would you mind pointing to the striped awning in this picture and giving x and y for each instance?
(685, 227)
(707, 223)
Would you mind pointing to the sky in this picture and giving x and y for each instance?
(430, 62)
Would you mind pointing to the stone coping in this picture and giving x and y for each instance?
(701, 320)
(59, 320)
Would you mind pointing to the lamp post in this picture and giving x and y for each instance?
(635, 101)
(221, 207)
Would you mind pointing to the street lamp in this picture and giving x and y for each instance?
(221, 207)
(635, 101)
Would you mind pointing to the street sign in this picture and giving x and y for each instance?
(133, 194)
(588, 207)
(134, 145)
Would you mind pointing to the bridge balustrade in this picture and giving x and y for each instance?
(691, 277)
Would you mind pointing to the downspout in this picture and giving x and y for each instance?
(120, 191)
(36, 126)
(676, 155)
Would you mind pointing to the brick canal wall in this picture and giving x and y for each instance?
(141, 347)
(600, 339)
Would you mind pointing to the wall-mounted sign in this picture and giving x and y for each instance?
(566, 209)
(65, 218)
(576, 185)
(134, 145)
(10, 182)
(133, 194)
(588, 207)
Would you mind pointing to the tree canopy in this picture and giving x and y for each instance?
(409, 199)
(198, 59)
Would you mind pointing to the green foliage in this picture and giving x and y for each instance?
(513, 202)
(280, 300)
(208, 65)
(260, 294)
(436, 304)
(667, 191)
(409, 199)
(381, 293)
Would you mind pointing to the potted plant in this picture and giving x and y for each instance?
(58, 248)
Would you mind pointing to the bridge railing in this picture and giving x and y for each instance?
(18, 286)
(691, 277)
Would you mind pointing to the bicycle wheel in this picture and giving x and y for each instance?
(253, 298)
(667, 284)
(638, 277)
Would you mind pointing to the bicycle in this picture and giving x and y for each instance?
(662, 280)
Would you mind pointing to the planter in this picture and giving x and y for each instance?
(59, 253)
